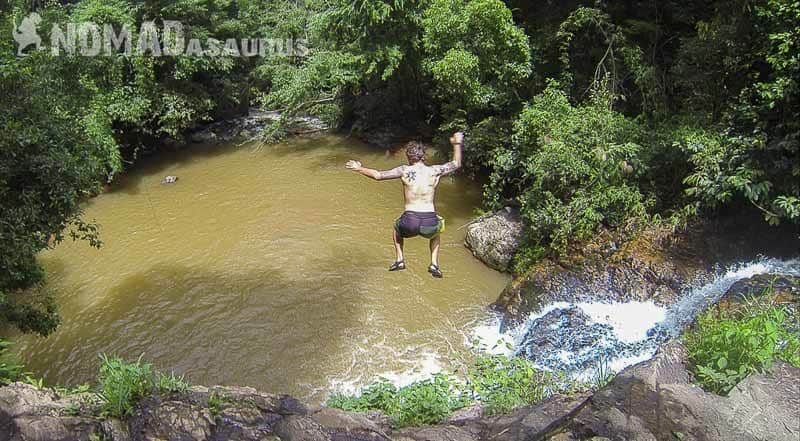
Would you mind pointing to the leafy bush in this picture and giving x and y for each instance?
(724, 348)
(498, 382)
(422, 402)
(474, 70)
(503, 383)
(573, 169)
(171, 383)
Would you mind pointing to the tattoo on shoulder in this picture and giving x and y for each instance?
(411, 175)
(447, 168)
(391, 174)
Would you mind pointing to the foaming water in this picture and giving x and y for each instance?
(265, 268)
(684, 311)
(580, 338)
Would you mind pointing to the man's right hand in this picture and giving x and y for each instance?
(353, 165)
(457, 138)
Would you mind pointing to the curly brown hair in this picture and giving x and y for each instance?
(415, 151)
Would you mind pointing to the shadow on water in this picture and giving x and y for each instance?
(214, 327)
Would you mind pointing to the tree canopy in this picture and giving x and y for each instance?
(585, 114)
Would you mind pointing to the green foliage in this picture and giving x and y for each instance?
(498, 382)
(611, 64)
(503, 383)
(572, 167)
(603, 374)
(725, 348)
(475, 53)
(422, 402)
(171, 383)
(215, 403)
(10, 369)
(741, 69)
(123, 384)
(67, 122)
(722, 170)
(48, 164)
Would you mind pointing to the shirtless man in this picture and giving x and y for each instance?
(419, 188)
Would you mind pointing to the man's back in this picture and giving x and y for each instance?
(419, 186)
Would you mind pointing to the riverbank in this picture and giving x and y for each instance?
(651, 400)
(654, 399)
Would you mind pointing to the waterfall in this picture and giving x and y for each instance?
(577, 337)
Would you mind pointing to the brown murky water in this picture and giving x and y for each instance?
(262, 267)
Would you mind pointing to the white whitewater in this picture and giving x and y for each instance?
(615, 334)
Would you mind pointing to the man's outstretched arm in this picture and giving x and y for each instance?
(457, 141)
(378, 175)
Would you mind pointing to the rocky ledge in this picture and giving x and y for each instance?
(653, 400)
(633, 264)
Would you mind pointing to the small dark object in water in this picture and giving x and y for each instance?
(170, 179)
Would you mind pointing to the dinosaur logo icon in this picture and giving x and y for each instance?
(26, 33)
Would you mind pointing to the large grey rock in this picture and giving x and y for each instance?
(537, 422)
(494, 239)
(171, 420)
(655, 400)
(31, 414)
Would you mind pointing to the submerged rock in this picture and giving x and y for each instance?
(565, 339)
(568, 340)
(494, 239)
(251, 125)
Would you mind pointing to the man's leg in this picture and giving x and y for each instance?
(435, 242)
(398, 246)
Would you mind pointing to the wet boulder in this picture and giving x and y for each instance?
(566, 339)
(626, 264)
(495, 238)
(781, 287)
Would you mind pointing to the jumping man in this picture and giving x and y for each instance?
(419, 187)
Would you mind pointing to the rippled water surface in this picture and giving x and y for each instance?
(262, 267)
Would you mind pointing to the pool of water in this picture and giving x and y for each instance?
(263, 267)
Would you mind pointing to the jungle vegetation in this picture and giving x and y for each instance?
(585, 114)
